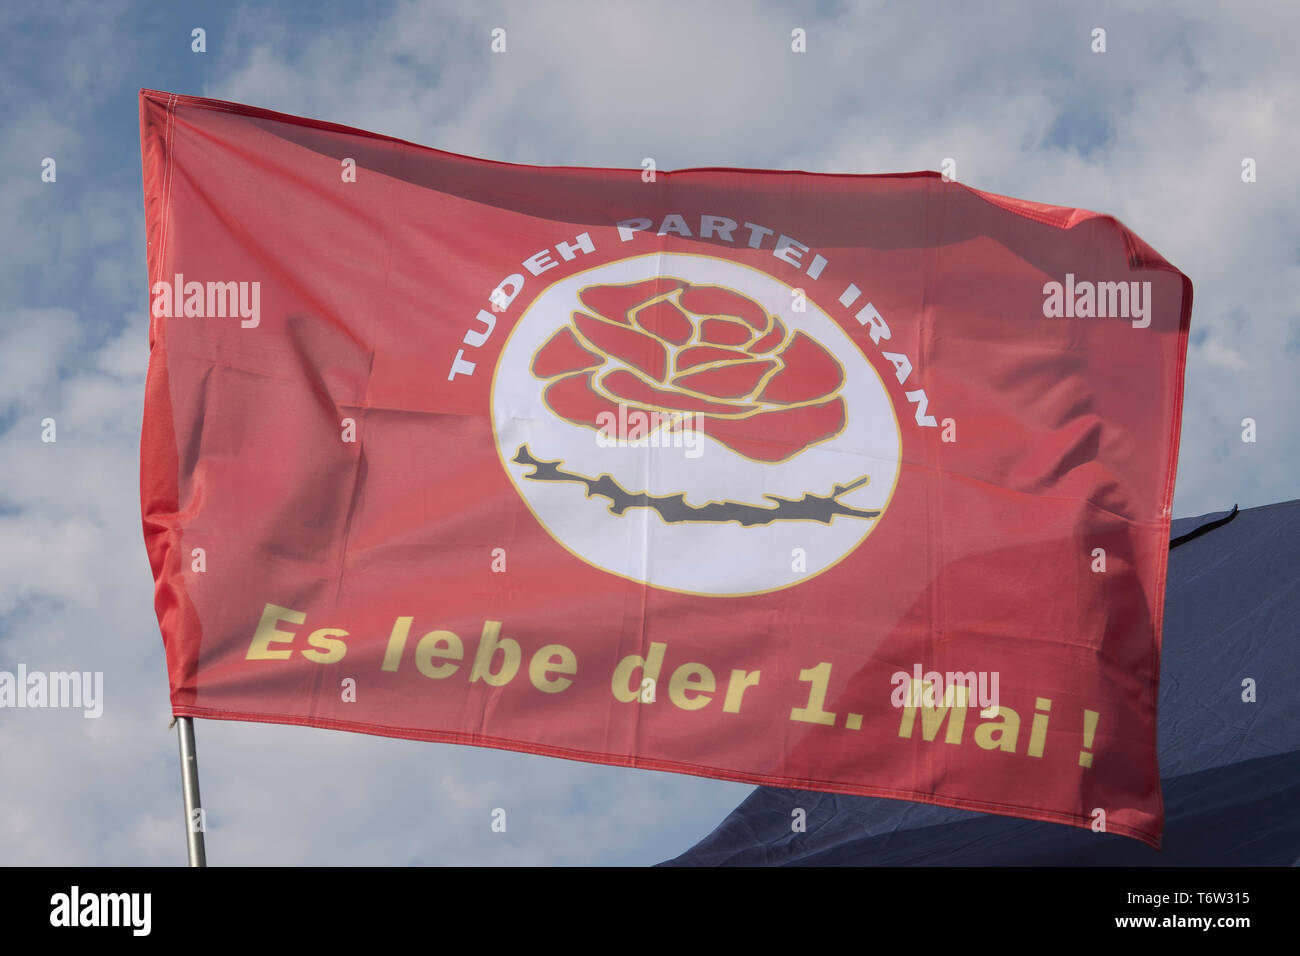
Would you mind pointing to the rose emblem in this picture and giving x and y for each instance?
(657, 351)
(674, 348)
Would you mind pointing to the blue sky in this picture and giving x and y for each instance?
(1154, 131)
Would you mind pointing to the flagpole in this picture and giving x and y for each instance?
(194, 823)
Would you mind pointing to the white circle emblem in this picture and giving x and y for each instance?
(679, 420)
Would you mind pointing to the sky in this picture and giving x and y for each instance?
(1154, 131)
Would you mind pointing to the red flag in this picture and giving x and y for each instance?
(851, 483)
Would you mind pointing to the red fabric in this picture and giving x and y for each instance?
(857, 507)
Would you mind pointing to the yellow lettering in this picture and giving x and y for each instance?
(691, 679)
(553, 658)
(328, 648)
(736, 687)
(488, 645)
(650, 667)
(932, 718)
(999, 732)
(396, 643)
(273, 614)
(431, 646)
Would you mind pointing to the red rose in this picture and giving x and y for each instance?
(667, 346)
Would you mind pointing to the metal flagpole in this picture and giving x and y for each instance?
(190, 788)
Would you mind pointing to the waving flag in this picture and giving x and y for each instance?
(848, 483)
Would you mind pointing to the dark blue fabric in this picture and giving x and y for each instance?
(1230, 769)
